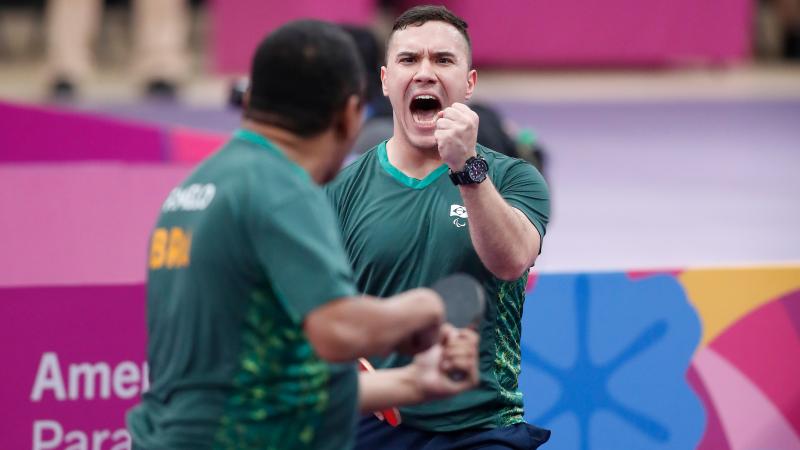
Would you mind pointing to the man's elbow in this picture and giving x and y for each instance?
(509, 274)
(330, 340)
(513, 268)
(332, 353)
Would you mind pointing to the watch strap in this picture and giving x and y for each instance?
(462, 176)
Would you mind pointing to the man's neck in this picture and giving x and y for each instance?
(412, 161)
(312, 154)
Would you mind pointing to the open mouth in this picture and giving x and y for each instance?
(424, 109)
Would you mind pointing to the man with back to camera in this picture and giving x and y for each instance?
(429, 202)
(253, 317)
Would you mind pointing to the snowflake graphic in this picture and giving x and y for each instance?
(604, 362)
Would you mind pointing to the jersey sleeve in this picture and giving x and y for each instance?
(524, 188)
(298, 244)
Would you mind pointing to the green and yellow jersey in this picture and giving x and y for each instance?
(402, 233)
(242, 251)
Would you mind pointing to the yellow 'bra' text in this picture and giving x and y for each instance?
(170, 248)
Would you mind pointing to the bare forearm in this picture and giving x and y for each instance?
(388, 388)
(362, 326)
(377, 326)
(428, 377)
(506, 244)
(505, 240)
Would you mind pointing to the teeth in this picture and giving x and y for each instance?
(424, 97)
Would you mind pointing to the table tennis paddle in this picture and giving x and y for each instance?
(465, 301)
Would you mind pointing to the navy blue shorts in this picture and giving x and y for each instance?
(374, 434)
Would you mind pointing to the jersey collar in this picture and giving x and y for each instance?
(261, 141)
(404, 179)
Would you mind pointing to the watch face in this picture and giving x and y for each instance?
(477, 170)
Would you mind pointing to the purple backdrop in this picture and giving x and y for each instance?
(73, 361)
(30, 133)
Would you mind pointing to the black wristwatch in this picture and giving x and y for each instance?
(475, 170)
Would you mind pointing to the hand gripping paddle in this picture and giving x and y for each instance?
(464, 301)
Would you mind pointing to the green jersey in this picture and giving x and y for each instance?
(401, 233)
(243, 250)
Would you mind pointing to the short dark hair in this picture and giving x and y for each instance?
(302, 75)
(371, 53)
(419, 15)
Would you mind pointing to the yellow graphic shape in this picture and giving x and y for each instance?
(723, 296)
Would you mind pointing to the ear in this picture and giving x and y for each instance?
(246, 100)
(351, 118)
(383, 82)
(472, 80)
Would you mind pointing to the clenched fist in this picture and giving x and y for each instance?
(456, 135)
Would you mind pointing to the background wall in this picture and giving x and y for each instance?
(528, 33)
(696, 358)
